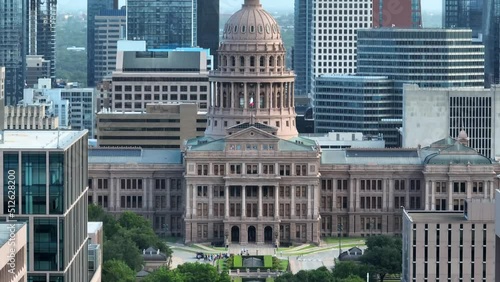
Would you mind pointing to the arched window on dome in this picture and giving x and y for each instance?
(252, 29)
(243, 29)
(278, 63)
(252, 61)
(262, 61)
(235, 29)
(261, 29)
(271, 61)
(224, 61)
(233, 61)
(242, 61)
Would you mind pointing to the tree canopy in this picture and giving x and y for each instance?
(117, 270)
(383, 254)
(188, 272)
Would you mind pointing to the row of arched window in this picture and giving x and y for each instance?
(230, 61)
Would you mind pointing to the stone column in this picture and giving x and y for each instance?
(231, 96)
(351, 194)
(358, 185)
(407, 197)
(492, 190)
(334, 195)
(145, 189)
(257, 97)
(433, 195)
(245, 95)
(210, 200)
(486, 189)
(282, 96)
(385, 195)
(194, 192)
(118, 188)
(292, 201)
(391, 196)
(427, 193)
(316, 200)
(260, 202)
(226, 205)
(243, 201)
(188, 200)
(276, 202)
(169, 188)
(111, 194)
(275, 96)
(450, 195)
(309, 201)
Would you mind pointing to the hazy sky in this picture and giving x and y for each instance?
(233, 5)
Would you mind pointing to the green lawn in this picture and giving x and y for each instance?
(238, 261)
(268, 261)
(345, 240)
(284, 265)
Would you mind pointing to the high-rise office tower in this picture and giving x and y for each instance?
(483, 17)
(13, 44)
(302, 50)
(163, 23)
(397, 13)
(208, 26)
(42, 31)
(109, 28)
(93, 9)
(48, 190)
(326, 32)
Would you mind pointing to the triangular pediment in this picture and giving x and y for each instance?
(251, 133)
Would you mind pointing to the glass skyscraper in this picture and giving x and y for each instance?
(13, 44)
(483, 17)
(45, 185)
(163, 23)
(303, 48)
(42, 31)
(93, 9)
(208, 27)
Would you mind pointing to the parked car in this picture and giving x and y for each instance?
(200, 255)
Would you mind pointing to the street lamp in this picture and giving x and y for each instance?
(340, 228)
(226, 233)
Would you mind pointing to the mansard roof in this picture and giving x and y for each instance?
(447, 151)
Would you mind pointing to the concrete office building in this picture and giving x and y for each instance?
(178, 75)
(335, 36)
(81, 101)
(161, 126)
(51, 197)
(42, 31)
(355, 104)
(450, 246)
(146, 181)
(36, 67)
(93, 9)
(96, 240)
(346, 140)
(110, 26)
(430, 113)
(13, 47)
(29, 117)
(13, 247)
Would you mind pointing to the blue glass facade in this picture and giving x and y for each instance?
(355, 104)
(13, 47)
(162, 23)
(303, 48)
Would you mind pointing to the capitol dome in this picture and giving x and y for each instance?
(252, 22)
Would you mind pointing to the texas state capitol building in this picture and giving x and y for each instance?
(251, 178)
